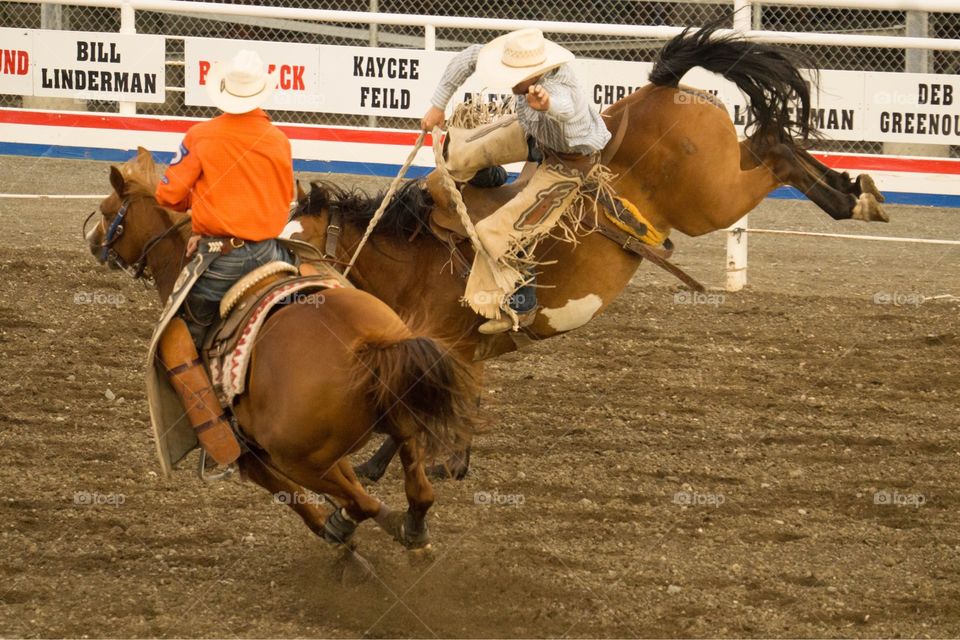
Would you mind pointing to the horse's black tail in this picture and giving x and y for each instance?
(770, 76)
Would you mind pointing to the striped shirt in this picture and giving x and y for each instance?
(569, 125)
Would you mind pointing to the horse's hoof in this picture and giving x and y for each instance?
(421, 555)
(354, 568)
(391, 522)
(867, 185)
(446, 472)
(868, 209)
(414, 534)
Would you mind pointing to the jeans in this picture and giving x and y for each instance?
(202, 306)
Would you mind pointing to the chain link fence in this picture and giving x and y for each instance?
(634, 12)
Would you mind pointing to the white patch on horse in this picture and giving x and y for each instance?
(89, 234)
(292, 227)
(575, 313)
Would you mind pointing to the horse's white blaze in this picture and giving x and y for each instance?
(292, 227)
(575, 313)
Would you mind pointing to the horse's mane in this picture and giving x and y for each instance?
(136, 187)
(407, 214)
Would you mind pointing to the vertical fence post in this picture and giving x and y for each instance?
(128, 24)
(374, 7)
(737, 241)
(430, 38)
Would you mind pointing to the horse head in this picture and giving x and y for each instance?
(128, 221)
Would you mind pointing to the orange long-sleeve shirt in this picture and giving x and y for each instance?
(235, 172)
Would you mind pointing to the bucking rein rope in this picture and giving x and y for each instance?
(386, 201)
(453, 192)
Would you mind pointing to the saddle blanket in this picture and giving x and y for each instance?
(228, 372)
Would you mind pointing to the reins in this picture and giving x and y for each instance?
(141, 262)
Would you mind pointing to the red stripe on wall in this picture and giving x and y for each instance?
(178, 125)
(890, 163)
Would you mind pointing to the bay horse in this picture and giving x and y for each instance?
(679, 161)
(322, 379)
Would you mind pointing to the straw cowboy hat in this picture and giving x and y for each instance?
(512, 58)
(240, 85)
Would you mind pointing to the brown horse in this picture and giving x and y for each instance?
(323, 377)
(678, 160)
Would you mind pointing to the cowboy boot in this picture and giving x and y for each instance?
(523, 302)
(189, 379)
(467, 151)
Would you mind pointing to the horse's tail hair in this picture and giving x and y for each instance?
(770, 76)
(420, 388)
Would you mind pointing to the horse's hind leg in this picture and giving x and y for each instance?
(455, 467)
(374, 468)
(833, 192)
(408, 531)
(841, 181)
(458, 464)
(419, 495)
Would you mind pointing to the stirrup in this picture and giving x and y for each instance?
(228, 470)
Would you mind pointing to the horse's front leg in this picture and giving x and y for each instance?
(334, 478)
(253, 468)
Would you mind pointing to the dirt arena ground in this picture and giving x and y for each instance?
(782, 463)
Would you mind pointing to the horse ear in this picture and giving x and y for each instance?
(145, 159)
(116, 179)
(301, 194)
(144, 168)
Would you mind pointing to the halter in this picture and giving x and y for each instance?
(109, 255)
(113, 234)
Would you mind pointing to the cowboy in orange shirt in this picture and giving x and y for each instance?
(235, 174)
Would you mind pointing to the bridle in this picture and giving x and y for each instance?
(109, 255)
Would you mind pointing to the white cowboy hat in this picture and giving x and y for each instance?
(242, 84)
(512, 58)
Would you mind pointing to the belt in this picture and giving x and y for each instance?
(577, 161)
(574, 157)
(223, 246)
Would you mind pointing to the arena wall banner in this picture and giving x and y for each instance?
(15, 62)
(850, 105)
(380, 82)
(298, 67)
(98, 66)
(913, 107)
